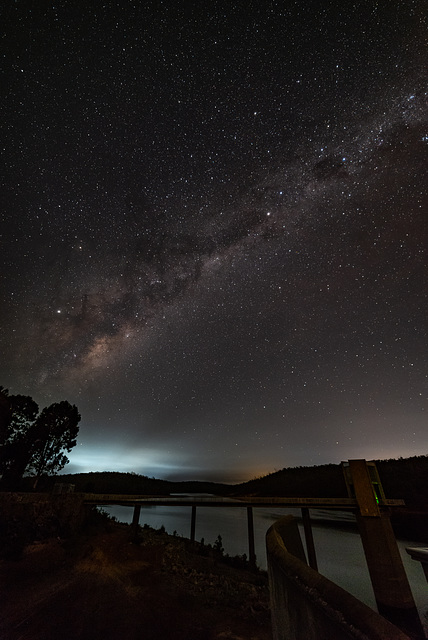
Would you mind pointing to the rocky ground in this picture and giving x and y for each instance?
(105, 587)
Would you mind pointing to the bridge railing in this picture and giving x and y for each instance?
(305, 604)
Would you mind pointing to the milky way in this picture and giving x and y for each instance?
(214, 234)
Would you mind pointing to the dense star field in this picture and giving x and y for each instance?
(215, 229)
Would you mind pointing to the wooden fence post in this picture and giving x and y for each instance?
(391, 588)
(193, 524)
(251, 547)
(135, 521)
(310, 547)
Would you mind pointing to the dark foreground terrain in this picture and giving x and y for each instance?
(102, 586)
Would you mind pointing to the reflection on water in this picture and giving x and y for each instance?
(339, 549)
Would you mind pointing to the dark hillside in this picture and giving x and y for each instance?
(108, 482)
(325, 481)
(406, 478)
(127, 483)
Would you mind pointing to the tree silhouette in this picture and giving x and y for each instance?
(54, 431)
(31, 443)
(5, 415)
(17, 415)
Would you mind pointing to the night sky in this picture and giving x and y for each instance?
(215, 229)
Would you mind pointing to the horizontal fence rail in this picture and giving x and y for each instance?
(188, 501)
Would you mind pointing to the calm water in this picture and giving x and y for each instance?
(340, 553)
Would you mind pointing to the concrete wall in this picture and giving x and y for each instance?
(306, 605)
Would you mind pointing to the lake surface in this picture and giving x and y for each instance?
(339, 550)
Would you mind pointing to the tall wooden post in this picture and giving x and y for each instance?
(193, 524)
(391, 588)
(310, 547)
(251, 547)
(135, 521)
